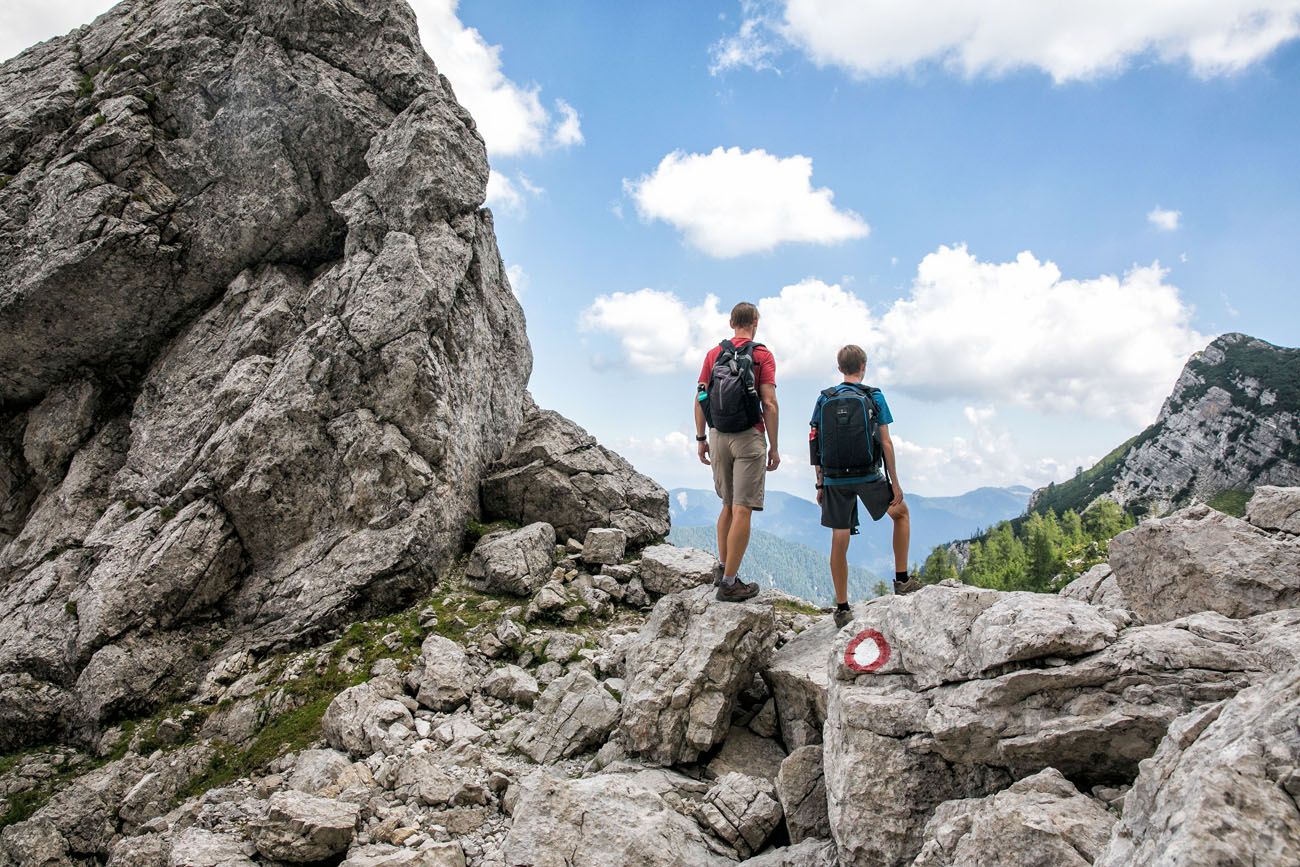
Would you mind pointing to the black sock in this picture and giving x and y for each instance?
(900, 577)
(842, 606)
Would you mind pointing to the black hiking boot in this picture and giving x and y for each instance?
(843, 616)
(737, 592)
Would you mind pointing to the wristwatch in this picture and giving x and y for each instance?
(819, 486)
(703, 439)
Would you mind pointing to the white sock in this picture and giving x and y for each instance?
(728, 580)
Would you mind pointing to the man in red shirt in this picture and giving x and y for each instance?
(739, 460)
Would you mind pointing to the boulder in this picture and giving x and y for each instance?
(1274, 508)
(801, 789)
(300, 828)
(604, 546)
(1097, 586)
(314, 771)
(669, 569)
(611, 818)
(1222, 788)
(1040, 821)
(742, 811)
(367, 718)
(684, 670)
(430, 854)
(966, 723)
(417, 777)
(1199, 559)
(574, 714)
(199, 847)
(555, 471)
(513, 561)
(797, 676)
(441, 676)
(746, 753)
(511, 683)
(809, 853)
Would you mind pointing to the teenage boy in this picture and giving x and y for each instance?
(850, 436)
(736, 399)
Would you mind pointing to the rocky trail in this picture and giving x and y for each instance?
(294, 571)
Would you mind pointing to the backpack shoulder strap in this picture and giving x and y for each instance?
(830, 392)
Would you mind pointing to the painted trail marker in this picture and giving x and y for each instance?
(867, 651)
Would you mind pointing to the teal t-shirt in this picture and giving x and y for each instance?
(886, 417)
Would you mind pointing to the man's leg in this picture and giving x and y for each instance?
(724, 527)
(737, 538)
(902, 535)
(840, 565)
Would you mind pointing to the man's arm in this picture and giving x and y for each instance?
(702, 446)
(767, 394)
(887, 447)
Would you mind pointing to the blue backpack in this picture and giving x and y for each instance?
(846, 433)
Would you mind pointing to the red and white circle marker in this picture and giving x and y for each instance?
(867, 651)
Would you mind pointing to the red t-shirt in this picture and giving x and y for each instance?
(764, 366)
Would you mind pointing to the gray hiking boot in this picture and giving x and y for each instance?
(843, 617)
(737, 592)
(911, 585)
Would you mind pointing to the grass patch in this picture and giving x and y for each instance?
(100, 120)
(22, 805)
(795, 607)
(1231, 502)
(475, 530)
(86, 86)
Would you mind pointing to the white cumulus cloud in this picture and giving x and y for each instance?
(1066, 39)
(1015, 333)
(510, 195)
(1164, 219)
(509, 115)
(730, 202)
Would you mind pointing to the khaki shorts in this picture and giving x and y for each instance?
(739, 467)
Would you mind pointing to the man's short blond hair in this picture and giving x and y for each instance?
(744, 315)
(852, 359)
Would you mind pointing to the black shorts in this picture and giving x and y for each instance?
(840, 503)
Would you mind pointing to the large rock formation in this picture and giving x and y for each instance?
(1231, 423)
(257, 343)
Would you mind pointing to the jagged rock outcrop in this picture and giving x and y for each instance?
(798, 679)
(513, 561)
(1097, 586)
(1199, 559)
(574, 714)
(242, 264)
(801, 788)
(685, 669)
(556, 472)
(1274, 508)
(1040, 821)
(1224, 786)
(1231, 423)
(742, 811)
(979, 688)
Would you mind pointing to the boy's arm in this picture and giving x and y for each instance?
(767, 394)
(701, 445)
(887, 447)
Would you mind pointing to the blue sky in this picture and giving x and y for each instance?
(1000, 132)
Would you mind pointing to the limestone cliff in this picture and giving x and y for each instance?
(1232, 423)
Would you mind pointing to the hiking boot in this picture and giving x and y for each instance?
(717, 575)
(738, 592)
(911, 585)
(843, 616)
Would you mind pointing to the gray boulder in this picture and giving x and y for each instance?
(797, 676)
(1008, 700)
(555, 471)
(685, 669)
(742, 811)
(417, 777)
(314, 771)
(441, 676)
(611, 818)
(513, 561)
(511, 683)
(301, 828)
(669, 569)
(574, 714)
(747, 753)
(430, 854)
(604, 546)
(1097, 586)
(1274, 508)
(367, 718)
(1040, 821)
(199, 847)
(1199, 559)
(801, 788)
(1222, 788)
(240, 281)
(809, 853)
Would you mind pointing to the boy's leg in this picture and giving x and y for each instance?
(840, 565)
(902, 535)
(724, 527)
(737, 538)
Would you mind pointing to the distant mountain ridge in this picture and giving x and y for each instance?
(1231, 423)
(935, 520)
